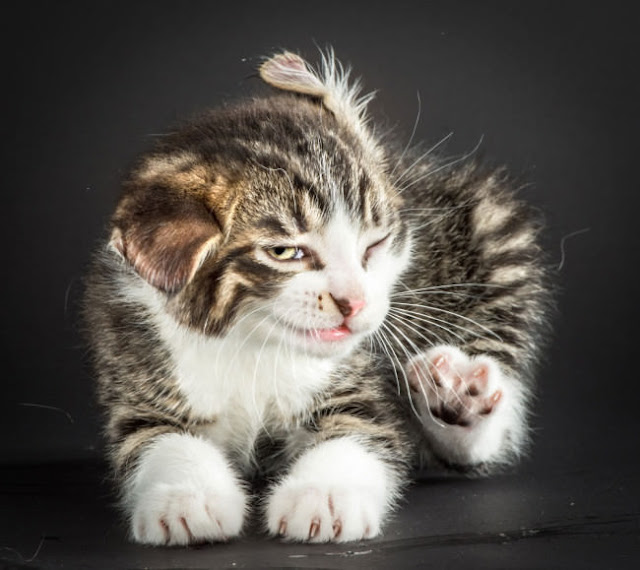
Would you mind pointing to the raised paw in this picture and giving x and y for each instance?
(471, 412)
(454, 388)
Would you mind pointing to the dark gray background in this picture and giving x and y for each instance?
(552, 89)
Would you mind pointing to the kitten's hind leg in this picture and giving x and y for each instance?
(471, 411)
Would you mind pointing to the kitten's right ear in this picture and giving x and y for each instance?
(331, 84)
(290, 72)
(164, 236)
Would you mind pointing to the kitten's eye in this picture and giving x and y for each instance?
(282, 253)
(376, 244)
(372, 248)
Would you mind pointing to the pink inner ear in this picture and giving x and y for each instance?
(290, 72)
(291, 61)
(167, 255)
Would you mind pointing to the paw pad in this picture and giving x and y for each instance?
(453, 388)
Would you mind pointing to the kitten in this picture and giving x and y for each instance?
(286, 296)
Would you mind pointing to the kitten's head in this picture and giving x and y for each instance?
(275, 217)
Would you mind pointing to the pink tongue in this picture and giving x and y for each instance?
(333, 334)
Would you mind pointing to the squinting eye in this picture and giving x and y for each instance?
(373, 247)
(377, 243)
(285, 253)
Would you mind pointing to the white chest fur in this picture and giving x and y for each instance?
(236, 384)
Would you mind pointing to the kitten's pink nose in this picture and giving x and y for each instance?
(349, 307)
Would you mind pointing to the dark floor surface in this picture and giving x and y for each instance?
(58, 516)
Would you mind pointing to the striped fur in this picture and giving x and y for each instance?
(194, 326)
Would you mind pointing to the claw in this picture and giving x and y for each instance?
(282, 529)
(480, 372)
(185, 525)
(165, 530)
(314, 529)
(491, 402)
(441, 363)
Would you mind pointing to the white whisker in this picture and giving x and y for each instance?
(379, 337)
(402, 369)
(441, 167)
(409, 357)
(433, 382)
(422, 157)
(403, 319)
(413, 134)
(431, 308)
(245, 340)
(434, 320)
(562, 245)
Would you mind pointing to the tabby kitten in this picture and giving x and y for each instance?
(285, 296)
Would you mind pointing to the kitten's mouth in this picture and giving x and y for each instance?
(329, 335)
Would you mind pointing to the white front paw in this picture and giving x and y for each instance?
(317, 512)
(337, 491)
(186, 514)
(184, 492)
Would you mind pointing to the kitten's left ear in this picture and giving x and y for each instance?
(290, 72)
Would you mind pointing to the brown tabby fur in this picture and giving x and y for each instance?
(259, 172)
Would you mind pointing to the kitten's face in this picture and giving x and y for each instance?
(334, 284)
(290, 236)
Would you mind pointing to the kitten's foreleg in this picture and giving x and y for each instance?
(339, 490)
(473, 414)
(183, 491)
